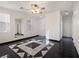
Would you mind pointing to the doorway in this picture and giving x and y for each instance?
(67, 25)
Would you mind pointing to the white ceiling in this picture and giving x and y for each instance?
(50, 6)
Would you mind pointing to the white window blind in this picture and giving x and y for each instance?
(4, 22)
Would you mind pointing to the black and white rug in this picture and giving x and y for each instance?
(30, 49)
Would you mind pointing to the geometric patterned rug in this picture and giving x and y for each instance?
(30, 49)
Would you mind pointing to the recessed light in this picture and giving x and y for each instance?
(66, 13)
(21, 7)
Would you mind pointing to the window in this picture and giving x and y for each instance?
(4, 22)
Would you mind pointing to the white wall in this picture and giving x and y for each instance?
(9, 36)
(51, 25)
(76, 25)
(41, 26)
(76, 29)
(67, 25)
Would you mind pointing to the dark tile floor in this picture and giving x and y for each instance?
(64, 49)
(33, 45)
(54, 52)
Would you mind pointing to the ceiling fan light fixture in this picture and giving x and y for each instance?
(36, 8)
